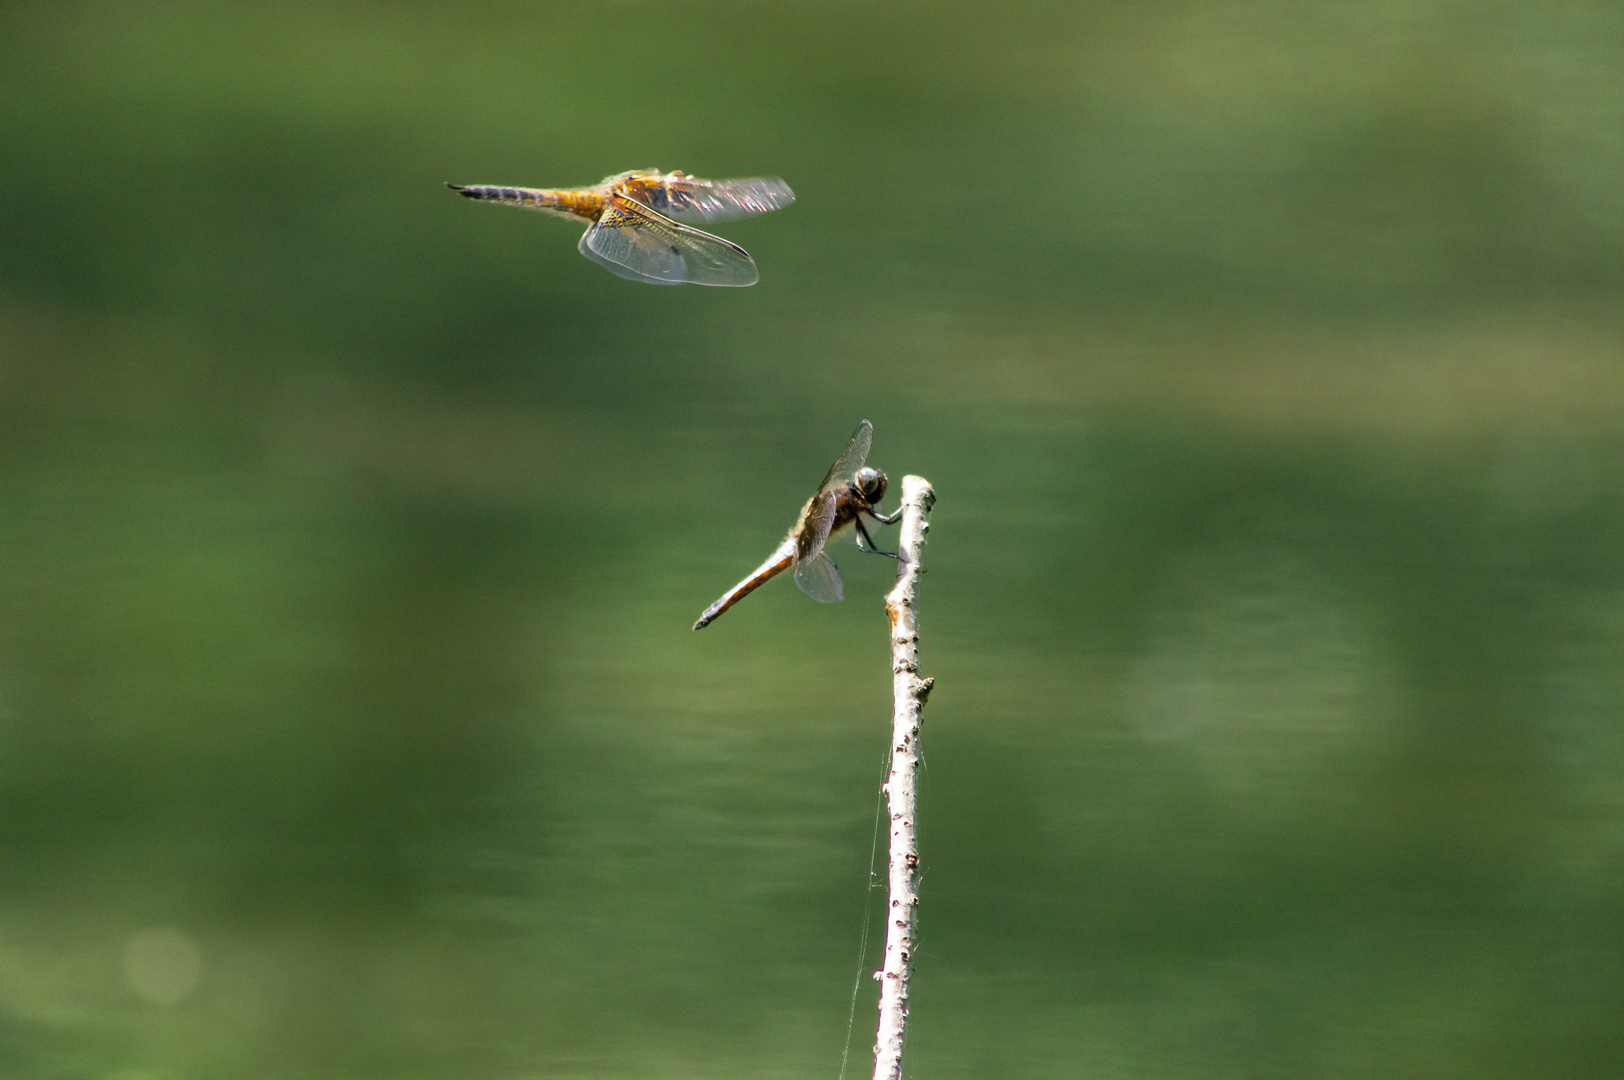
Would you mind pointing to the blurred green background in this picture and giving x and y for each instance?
(1268, 361)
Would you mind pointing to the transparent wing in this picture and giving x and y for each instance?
(813, 530)
(636, 243)
(690, 199)
(851, 459)
(819, 579)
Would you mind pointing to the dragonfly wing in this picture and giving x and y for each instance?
(813, 529)
(851, 459)
(675, 273)
(690, 199)
(819, 579)
(636, 243)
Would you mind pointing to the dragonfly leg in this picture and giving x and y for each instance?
(862, 534)
(886, 519)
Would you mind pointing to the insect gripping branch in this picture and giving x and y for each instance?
(901, 789)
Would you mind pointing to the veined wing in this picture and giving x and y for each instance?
(636, 243)
(690, 199)
(812, 530)
(851, 459)
(819, 579)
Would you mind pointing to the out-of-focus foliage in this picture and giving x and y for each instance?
(1267, 361)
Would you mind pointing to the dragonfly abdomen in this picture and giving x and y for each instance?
(581, 204)
(776, 564)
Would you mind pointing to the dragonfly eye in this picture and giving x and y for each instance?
(871, 482)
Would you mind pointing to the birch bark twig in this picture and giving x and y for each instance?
(910, 691)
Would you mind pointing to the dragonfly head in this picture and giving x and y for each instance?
(871, 482)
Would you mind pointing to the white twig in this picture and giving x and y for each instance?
(910, 692)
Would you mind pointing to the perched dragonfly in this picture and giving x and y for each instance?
(847, 493)
(641, 222)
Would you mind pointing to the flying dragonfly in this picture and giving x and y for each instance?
(641, 222)
(848, 492)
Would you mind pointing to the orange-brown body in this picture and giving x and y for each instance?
(586, 203)
(848, 492)
(649, 187)
(641, 223)
(805, 540)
